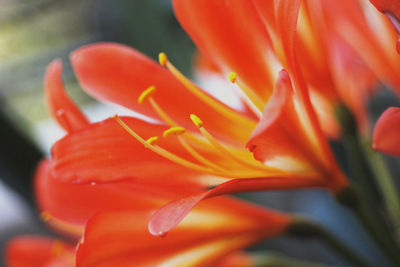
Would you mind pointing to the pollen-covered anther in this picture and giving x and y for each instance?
(196, 120)
(146, 94)
(152, 140)
(232, 77)
(174, 131)
(162, 59)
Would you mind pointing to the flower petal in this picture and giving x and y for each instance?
(36, 251)
(201, 240)
(119, 74)
(84, 200)
(59, 104)
(280, 133)
(231, 33)
(104, 152)
(386, 137)
(170, 215)
(388, 6)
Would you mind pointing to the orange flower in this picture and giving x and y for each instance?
(391, 8)
(210, 232)
(36, 251)
(386, 136)
(204, 142)
(118, 234)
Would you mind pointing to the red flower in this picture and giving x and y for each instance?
(35, 251)
(279, 126)
(209, 233)
(117, 233)
(386, 136)
(287, 146)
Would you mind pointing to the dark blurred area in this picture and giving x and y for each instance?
(34, 32)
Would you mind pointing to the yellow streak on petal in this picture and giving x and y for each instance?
(63, 226)
(197, 255)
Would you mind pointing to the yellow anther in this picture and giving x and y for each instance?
(146, 94)
(152, 140)
(232, 77)
(162, 59)
(45, 216)
(196, 120)
(173, 131)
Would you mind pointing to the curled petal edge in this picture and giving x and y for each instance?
(171, 214)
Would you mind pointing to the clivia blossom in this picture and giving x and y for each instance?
(287, 63)
(278, 145)
(275, 142)
(115, 217)
(37, 251)
(386, 136)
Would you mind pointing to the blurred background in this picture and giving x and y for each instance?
(32, 33)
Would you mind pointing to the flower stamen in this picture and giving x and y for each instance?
(247, 173)
(224, 151)
(178, 131)
(146, 94)
(174, 131)
(163, 60)
(160, 151)
(254, 103)
(152, 140)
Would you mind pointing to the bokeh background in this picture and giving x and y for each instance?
(32, 33)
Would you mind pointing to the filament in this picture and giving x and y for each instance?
(203, 96)
(254, 103)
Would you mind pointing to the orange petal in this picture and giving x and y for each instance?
(208, 234)
(119, 74)
(286, 18)
(233, 36)
(373, 44)
(105, 152)
(391, 8)
(84, 200)
(59, 104)
(36, 251)
(386, 137)
(170, 215)
(388, 6)
(279, 133)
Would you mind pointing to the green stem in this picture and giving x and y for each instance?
(388, 188)
(302, 228)
(274, 259)
(371, 221)
(366, 202)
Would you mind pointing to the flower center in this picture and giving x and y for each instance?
(226, 160)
